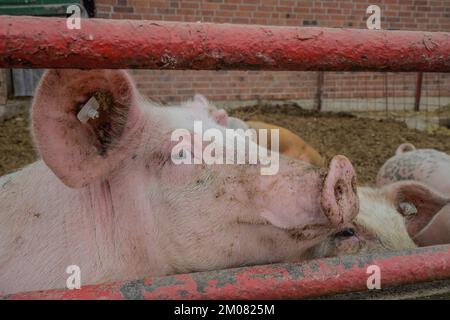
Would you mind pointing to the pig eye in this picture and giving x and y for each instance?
(345, 233)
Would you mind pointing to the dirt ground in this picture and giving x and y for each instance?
(366, 142)
(16, 148)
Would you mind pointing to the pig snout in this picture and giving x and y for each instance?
(339, 199)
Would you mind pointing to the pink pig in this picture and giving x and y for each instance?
(432, 168)
(107, 197)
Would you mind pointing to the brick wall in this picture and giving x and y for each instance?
(240, 87)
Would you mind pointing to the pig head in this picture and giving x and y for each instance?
(107, 197)
(428, 166)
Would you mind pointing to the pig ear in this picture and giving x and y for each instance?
(220, 116)
(201, 100)
(404, 147)
(417, 202)
(79, 152)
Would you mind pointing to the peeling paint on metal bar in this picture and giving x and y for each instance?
(36, 42)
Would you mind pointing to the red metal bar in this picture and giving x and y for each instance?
(34, 42)
(297, 280)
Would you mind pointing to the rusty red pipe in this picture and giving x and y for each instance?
(295, 280)
(35, 42)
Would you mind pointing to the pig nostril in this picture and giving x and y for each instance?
(339, 191)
